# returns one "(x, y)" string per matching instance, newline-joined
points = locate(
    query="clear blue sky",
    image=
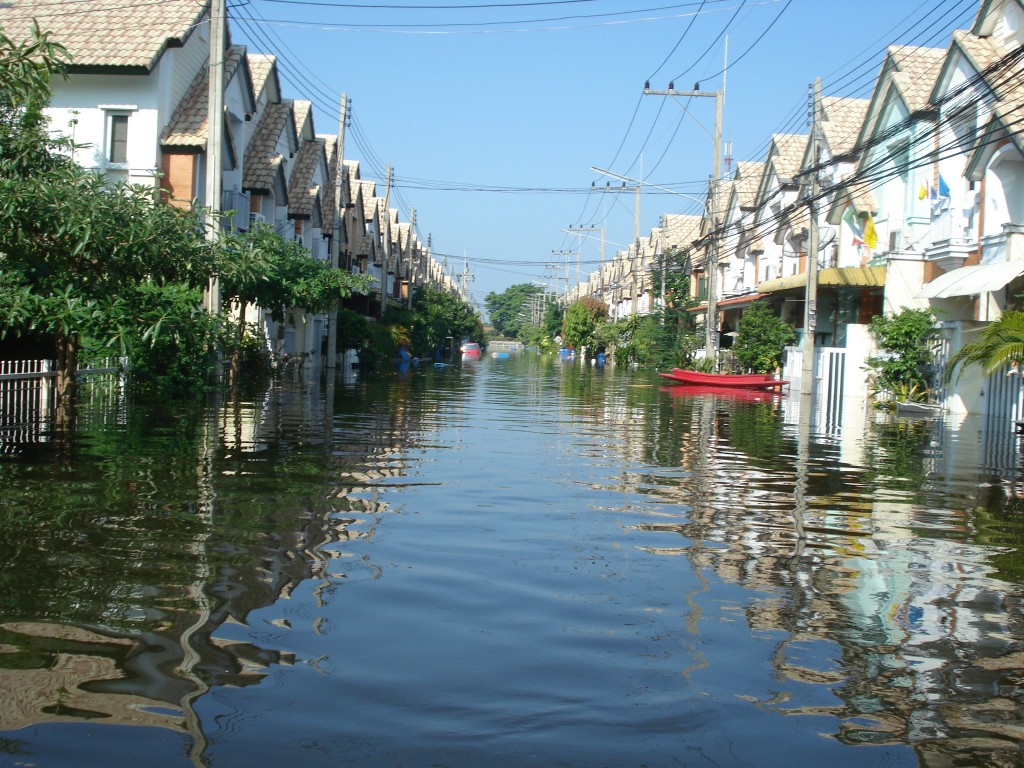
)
(492, 112)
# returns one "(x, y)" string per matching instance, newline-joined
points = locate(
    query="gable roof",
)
(748, 179)
(680, 229)
(188, 125)
(327, 203)
(908, 70)
(302, 112)
(303, 194)
(841, 121)
(261, 67)
(262, 160)
(102, 35)
(915, 73)
(785, 154)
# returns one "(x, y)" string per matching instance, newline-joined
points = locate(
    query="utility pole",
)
(600, 273)
(412, 230)
(215, 140)
(811, 295)
(566, 255)
(336, 230)
(386, 257)
(636, 232)
(711, 324)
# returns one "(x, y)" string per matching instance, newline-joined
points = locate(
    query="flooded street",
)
(513, 562)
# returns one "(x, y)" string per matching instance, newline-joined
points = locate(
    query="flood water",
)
(510, 563)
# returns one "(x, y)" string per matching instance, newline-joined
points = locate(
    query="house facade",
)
(135, 104)
(920, 203)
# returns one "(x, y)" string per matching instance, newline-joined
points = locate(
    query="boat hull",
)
(723, 380)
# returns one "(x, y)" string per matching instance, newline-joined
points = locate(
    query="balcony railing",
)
(236, 209)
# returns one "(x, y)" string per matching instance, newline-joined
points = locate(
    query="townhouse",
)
(920, 204)
(135, 104)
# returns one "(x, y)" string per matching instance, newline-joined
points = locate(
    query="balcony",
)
(235, 206)
(950, 244)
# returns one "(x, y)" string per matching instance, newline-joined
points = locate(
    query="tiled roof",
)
(261, 66)
(982, 51)
(302, 111)
(916, 71)
(748, 179)
(327, 207)
(681, 230)
(302, 192)
(786, 154)
(841, 122)
(106, 34)
(188, 124)
(370, 205)
(262, 159)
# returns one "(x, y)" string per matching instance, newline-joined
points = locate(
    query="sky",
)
(493, 113)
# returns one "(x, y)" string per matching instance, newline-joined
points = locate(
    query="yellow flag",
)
(870, 235)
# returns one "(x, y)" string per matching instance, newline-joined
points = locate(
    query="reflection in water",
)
(521, 558)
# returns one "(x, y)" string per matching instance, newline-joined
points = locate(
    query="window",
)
(118, 148)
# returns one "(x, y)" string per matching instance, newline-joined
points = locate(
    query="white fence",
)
(26, 401)
(28, 396)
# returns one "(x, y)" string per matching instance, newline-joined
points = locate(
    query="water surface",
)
(511, 562)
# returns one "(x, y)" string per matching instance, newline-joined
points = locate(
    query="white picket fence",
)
(27, 396)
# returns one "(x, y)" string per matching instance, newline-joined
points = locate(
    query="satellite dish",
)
(826, 238)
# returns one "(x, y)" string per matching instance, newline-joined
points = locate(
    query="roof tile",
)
(106, 34)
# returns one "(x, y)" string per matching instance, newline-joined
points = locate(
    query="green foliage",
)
(438, 315)
(703, 365)
(117, 268)
(552, 322)
(581, 320)
(260, 267)
(676, 263)
(762, 339)
(1000, 343)
(903, 370)
(509, 310)
(173, 354)
(353, 329)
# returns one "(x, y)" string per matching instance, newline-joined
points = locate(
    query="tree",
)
(509, 310)
(259, 267)
(440, 314)
(904, 370)
(117, 269)
(581, 320)
(676, 265)
(761, 339)
(1000, 343)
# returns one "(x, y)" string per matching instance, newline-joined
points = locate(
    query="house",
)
(974, 189)
(131, 70)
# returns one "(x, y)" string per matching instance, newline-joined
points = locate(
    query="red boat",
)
(727, 380)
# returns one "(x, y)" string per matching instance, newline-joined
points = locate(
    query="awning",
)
(733, 302)
(783, 283)
(854, 277)
(971, 281)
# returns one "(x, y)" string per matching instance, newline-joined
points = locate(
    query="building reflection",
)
(281, 482)
(878, 581)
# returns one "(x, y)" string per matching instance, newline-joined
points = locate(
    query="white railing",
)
(26, 401)
(28, 396)
(25, 369)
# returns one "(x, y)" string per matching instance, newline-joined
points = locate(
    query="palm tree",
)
(1000, 343)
